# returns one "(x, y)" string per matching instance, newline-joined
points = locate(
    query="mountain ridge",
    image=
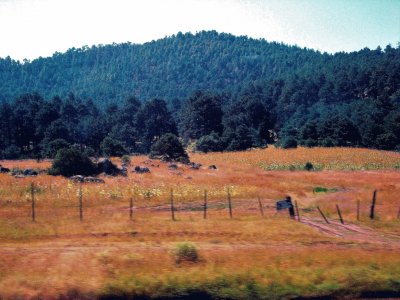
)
(111, 73)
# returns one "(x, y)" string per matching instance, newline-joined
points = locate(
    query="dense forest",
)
(217, 90)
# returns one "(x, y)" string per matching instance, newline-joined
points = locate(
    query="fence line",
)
(294, 209)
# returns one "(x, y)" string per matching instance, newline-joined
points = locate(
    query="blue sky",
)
(33, 28)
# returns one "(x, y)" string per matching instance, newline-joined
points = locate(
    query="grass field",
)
(246, 257)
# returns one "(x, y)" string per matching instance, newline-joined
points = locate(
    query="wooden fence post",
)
(261, 207)
(358, 210)
(297, 211)
(33, 201)
(372, 213)
(205, 205)
(322, 214)
(80, 203)
(172, 205)
(340, 214)
(291, 208)
(230, 204)
(131, 208)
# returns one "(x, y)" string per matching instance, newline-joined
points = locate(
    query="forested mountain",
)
(226, 92)
(169, 68)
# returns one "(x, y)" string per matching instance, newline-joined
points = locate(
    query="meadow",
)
(249, 256)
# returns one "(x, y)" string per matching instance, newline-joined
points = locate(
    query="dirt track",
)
(353, 232)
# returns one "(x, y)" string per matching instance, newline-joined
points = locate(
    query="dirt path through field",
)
(353, 232)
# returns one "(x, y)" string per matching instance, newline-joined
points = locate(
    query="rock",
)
(94, 180)
(77, 178)
(172, 167)
(4, 170)
(189, 177)
(124, 171)
(19, 176)
(30, 172)
(195, 166)
(212, 167)
(141, 170)
(16, 171)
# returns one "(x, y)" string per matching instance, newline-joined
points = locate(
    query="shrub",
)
(50, 150)
(112, 147)
(106, 166)
(70, 162)
(170, 146)
(186, 252)
(211, 142)
(320, 189)
(241, 139)
(310, 143)
(126, 160)
(308, 166)
(386, 141)
(328, 142)
(11, 152)
(89, 151)
(288, 143)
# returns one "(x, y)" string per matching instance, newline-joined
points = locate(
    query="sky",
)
(33, 28)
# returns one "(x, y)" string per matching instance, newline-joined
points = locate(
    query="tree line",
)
(34, 127)
(215, 91)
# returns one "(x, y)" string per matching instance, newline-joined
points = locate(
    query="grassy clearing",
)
(248, 257)
(339, 159)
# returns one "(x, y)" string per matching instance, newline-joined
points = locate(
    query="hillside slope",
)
(169, 68)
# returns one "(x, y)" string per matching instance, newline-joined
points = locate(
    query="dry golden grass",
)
(322, 158)
(246, 257)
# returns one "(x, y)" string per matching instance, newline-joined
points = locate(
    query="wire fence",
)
(76, 205)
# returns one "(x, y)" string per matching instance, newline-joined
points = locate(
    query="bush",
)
(112, 147)
(126, 160)
(69, 162)
(308, 166)
(310, 143)
(170, 146)
(106, 166)
(320, 189)
(241, 139)
(186, 252)
(288, 143)
(11, 152)
(386, 141)
(50, 150)
(211, 142)
(328, 142)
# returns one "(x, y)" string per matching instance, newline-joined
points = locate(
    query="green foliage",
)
(50, 149)
(11, 152)
(126, 160)
(186, 252)
(170, 146)
(308, 166)
(320, 189)
(68, 162)
(251, 94)
(240, 139)
(210, 143)
(111, 147)
(288, 143)
(201, 115)
(154, 120)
